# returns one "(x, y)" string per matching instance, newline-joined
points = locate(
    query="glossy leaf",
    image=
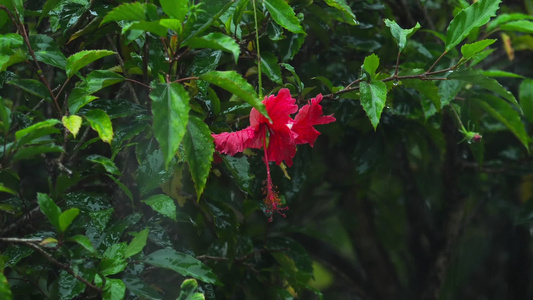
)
(49, 209)
(32, 151)
(36, 130)
(148, 26)
(371, 64)
(519, 26)
(5, 117)
(33, 87)
(69, 286)
(373, 97)
(170, 107)
(105, 162)
(135, 11)
(72, 123)
(189, 289)
(114, 289)
(234, 83)
(101, 123)
(163, 204)
(176, 9)
(181, 263)
(99, 79)
(526, 98)
(66, 218)
(400, 35)
(83, 241)
(79, 60)
(137, 243)
(470, 50)
(341, 5)
(6, 189)
(269, 65)
(140, 288)
(283, 15)
(474, 16)
(10, 40)
(217, 41)
(46, 50)
(113, 261)
(504, 18)
(500, 73)
(506, 114)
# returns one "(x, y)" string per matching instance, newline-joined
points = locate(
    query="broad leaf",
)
(506, 114)
(500, 73)
(114, 289)
(140, 288)
(504, 18)
(5, 117)
(46, 50)
(5, 291)
(148, 26)
(33, 87)
(519, 26)
(526, 98)
(79, 60)
(36, 130)
(199, 150)
(189, 289)
(429, 95)
(373, 97)
(269, 65)
(66, 218)
(135, 11)
(49, 209)
(163, 204)
(283, 14)
(181, 263)
(176, 9)
(474, 16)
(233, 82)
(341, 5)
(400, 35)
(32, 151)
(470, 50)
(78, 98)
(105, 162)
(475, 77)
(137, 243)
(217, 41)
(6, 189)
(83, 241)
(170, 107)
(72, 123)
(101, 123)
(99, 79)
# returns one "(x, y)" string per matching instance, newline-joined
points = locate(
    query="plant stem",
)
(258, 52)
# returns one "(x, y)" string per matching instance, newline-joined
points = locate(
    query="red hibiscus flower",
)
(278, 138)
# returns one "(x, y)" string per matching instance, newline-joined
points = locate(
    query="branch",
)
(26, 217)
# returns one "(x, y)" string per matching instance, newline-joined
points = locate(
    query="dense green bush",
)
(136, 149)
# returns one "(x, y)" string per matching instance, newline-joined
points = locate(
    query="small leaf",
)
(101, 123)
(176, 9)
(347, 12)
(504, 112)
(282, 13)
(181, 263)
(217, 41)
(99, 79)
(470, 50)
(82, 241)
(504, 18)
(78, 98)
(269, 65)
(66, 218)
(470, 18)
(135, 11)
(199, 150)
(79, 60)
(33, 87)
(49, 209)
(163, 204)
(170, 107)
(72, 123)
(371, 64)
(234, 83)
(519, 26)
(189, 289)
(400, 35)
(105, 162)
(114, 289)
(6, 189)
(373, 97)
(500, 73)
(137, 243)
(526, 98)
(36, 130)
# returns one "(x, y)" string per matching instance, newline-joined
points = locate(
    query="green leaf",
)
(6, 189)
(113, 261)
(148, 26)
(429, 95)
(135, 11)
(33, 87)
(83, 241)
(373, 97)
(124, 188)
(5, 291)
(519, 26)
(66, 218)
(5, 117)
(36, 130)
(470, 50)
(199, 149)
(101, 123)
(371, 64)
(341, 5)
(504, 112)
(69, 287)
(114, 289)
(475, 77)
(470, 18)
(105, 162)
(181, 263)
(176, 9)
(46, 50)
(234, 83)
(325, 81)
(500, 73)
(163, 204)
(282, 13)
(99, 79)
(170, 107)
(140, 288)
(217, 41)
(400, 35)
(72, 123)
(504, 18)
(137, 243)
(269, 65)
(32, 151)
(79, 60)
(526, 98)
(49, 209)
(188, 290)
(10, 41)
(78, 98)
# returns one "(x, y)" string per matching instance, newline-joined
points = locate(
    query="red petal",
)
(309, 115)
(233, 142)
(282, 146)
(279, 109)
